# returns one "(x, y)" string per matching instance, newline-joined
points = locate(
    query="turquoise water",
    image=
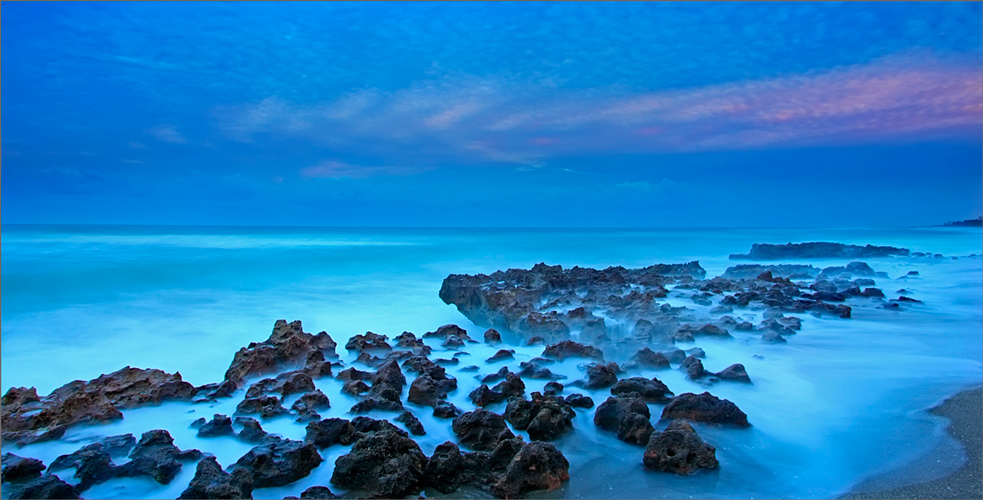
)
(839, 403)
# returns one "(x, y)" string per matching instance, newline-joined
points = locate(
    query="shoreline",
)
(965, 413)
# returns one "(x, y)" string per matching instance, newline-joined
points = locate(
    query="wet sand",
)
(965, 410)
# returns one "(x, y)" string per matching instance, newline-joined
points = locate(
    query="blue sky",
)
(492, 114)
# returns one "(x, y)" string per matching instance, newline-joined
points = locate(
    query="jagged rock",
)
(445, 409)
(266, 406)
(569, 349)
(412, 423)
(156, 456)
(367, 425)
(651, 390)
(317, 493)
(211, 481)
(17, 468)
(448, 468)
(220, 425)
(354, 374)
(501, 355)
(705, 408)
(384, 464)
(92, 465)
(679, 450)
(495, 377)
(368, 342)
(628, 415)
(198, 422)
(552, 388)
(288, 346)
(600, 376)
(817, 250)
(447, 331)
(536, 340)
(578, 400)
(355, 387)
(693, 367)
(251, 431)
(873, 293)
(648, 359)
(735, 372)
(537, 466)
(330, 431)
(46, 486)
(481, 429)
(278, 462)
(448, 362)
(675, 355)
(371, 404)
(118, 446)
(492, 336)
(308, 404)
(545, 417)
(483, 396)
(426, 390)
(532, 370)
(388, 382)
(772, 337)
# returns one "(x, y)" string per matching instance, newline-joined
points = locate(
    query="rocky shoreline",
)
(611, 324)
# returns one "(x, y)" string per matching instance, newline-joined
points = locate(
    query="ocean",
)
(841, 403)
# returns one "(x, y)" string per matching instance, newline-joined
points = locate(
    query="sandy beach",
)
(965, 410)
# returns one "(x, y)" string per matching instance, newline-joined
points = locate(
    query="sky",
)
(604, 114)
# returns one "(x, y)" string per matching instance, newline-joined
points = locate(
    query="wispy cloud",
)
(334, 169)
(510, 121)
(167, 133)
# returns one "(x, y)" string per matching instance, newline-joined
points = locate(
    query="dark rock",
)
(46, 486)
(448, 468)
(354, 374)
(873, 293)
(696, 352)
(501, 355)
(384, 464)
(198, 422)
(907, 299)
(628, 415)
(679, 450)
(553, 388)
(772, 337)
(220, 425)
(469, 368)
(211, 481)
(651, 390)
(511, 386)
(448, 331)
(288, 346)
(412, 423)
(445, 409)
(790, 271)
(495, 377)
(570, 349)
(91, 463)
(817, 250)
(156, 456)
(251, 431)
(366, 425)
(266, 406)
(675, 355)
(278, 462)
(705, 408)
(481, 429)
(448, 362)
(17, 468)
(329, 432)
(426, 390)
(318, 493)
(735, 372)
(531, 370)
(545, 417)
(537, 466)
(578, 400)
(536, 340)
(600, 376)
(355, 387)
(492, 336)
(368, 342)
(371, 404)
(483, 396)
(308, 404)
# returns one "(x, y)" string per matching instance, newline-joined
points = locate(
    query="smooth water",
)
(840, 403)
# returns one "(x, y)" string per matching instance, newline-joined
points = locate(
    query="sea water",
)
(842, 402)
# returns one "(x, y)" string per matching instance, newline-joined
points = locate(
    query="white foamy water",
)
(840, 403)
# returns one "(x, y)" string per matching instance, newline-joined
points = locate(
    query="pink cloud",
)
(333, 169)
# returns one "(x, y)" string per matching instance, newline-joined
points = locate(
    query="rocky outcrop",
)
(211, 481)
(369, 342)
(788, 271)
(330, 431)
(288, 347)
(537, 466)
(679, 450)
(19, 469)
(412, 423)
(308, 405)
(705, 408)
(646, 358)
(481, 429)
(544, 417)
(600, 375)
(219, 425)
(570, 349)
(651, 390)
(735, 372)
(628, 416)
(383, 464)
(277, 462)
(818, 250)
(510, 470)
(46, 486)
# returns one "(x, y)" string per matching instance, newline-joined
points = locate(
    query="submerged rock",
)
(679, 450)
(368, 342)
(705, 408)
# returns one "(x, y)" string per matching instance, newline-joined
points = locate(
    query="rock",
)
(873, 293)
(578, 400)
(266, 406)
(495, 377)
(118, 446)
(366, 425)
(308, 405)
(511, 386)
(696, 352)
(278, 462)
(570, 349)
(317, 493)
(371, 404)
(693, 367)
(445, 409)
(679, 450)
(481, 429)
(469, 368)
(368, 342)
(907, 299)
(452, 343)
(818, 250)
(545, 418)
(483, 396)
(251, 431)
(537, 466)
(501, 355)
(492, 336)
(448, 331)
(389, 375)
(91, 463)
(721, 309)
(426, 390)
(448, 468)
(772, 337)
(16, 469)
(46, 486)
(675, 355)
(156, 456)
(355, 387)
(384, 464)
(553, 388)
(735, 372)
(705, 408)
(354, 374)
(750, 271)
(211, 481)
(288, 346)
(531, 370)
(220, 425)
(628, 415)
(329, 432)
(448, 362)
(412, 423)
(26, 418)
(709, 330)
(198, 422)
(600, 376)
(651, 390)
(536, 340)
